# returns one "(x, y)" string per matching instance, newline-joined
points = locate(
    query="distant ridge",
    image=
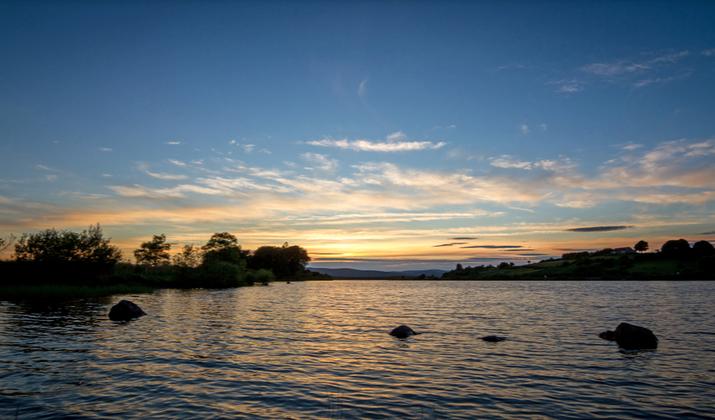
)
(352, 273)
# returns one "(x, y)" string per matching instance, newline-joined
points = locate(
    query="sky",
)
(382, 135)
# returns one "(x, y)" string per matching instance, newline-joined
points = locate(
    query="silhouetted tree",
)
(220, 240)
(703, 249)
(154, 252)
(64, 246)
(641, 246)
(5, 243)
(189, 257)
(675, 248)
(284, 261)
(224, 247)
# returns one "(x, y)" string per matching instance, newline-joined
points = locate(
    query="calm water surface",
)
(321, 349)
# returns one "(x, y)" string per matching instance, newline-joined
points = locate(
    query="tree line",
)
(89, 256)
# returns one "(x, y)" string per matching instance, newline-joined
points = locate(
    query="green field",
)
(616, 267)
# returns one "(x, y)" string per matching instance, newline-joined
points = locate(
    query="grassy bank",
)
(26, 280)
(615, 267)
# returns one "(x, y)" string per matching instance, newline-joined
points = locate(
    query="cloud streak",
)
(395, 142)
(598, 228)
(494, 246)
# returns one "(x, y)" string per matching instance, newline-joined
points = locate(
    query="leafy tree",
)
(189, 257)
(64, 246)
(675, 248)
(459, 267)
(224, 247)
(154, 252)
(641, 246)
(703, 249)
(284, 261)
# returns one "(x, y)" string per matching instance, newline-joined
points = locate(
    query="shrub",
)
(260, 276)
(219, 274)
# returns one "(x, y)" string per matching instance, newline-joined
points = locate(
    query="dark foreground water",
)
(321, 349)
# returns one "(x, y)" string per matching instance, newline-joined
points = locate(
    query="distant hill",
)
(351, 273)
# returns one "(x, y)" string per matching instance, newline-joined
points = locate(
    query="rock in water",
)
(493, 338)
(125, 310)
(403, 331)
(633, 337)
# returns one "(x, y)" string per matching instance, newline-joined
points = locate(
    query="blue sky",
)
(368, 132)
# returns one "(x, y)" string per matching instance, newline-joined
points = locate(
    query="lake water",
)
(321, 350)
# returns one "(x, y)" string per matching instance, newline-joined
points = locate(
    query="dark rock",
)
(403, 331)
(633, 337)
(125, 310)
(608, 335)
(493, 338)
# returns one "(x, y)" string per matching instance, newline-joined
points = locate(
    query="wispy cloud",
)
(464, 238)
(362, 88)
(165, 176)
(42, 167)
(509, 162)
(613, 68)
(644, 70)
(658, 80)
(622, 67)
(177, 162)
(173, 142)
(517, 66)
(449, 244)
(524, 128)
(631, 147)
(568, 86)
(395, 142)
(179, 191)
(106, 149)
(320, 162)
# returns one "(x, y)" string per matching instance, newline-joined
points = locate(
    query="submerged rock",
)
(493, 338)
(403, 331)
(125, 310)
(631, 337)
